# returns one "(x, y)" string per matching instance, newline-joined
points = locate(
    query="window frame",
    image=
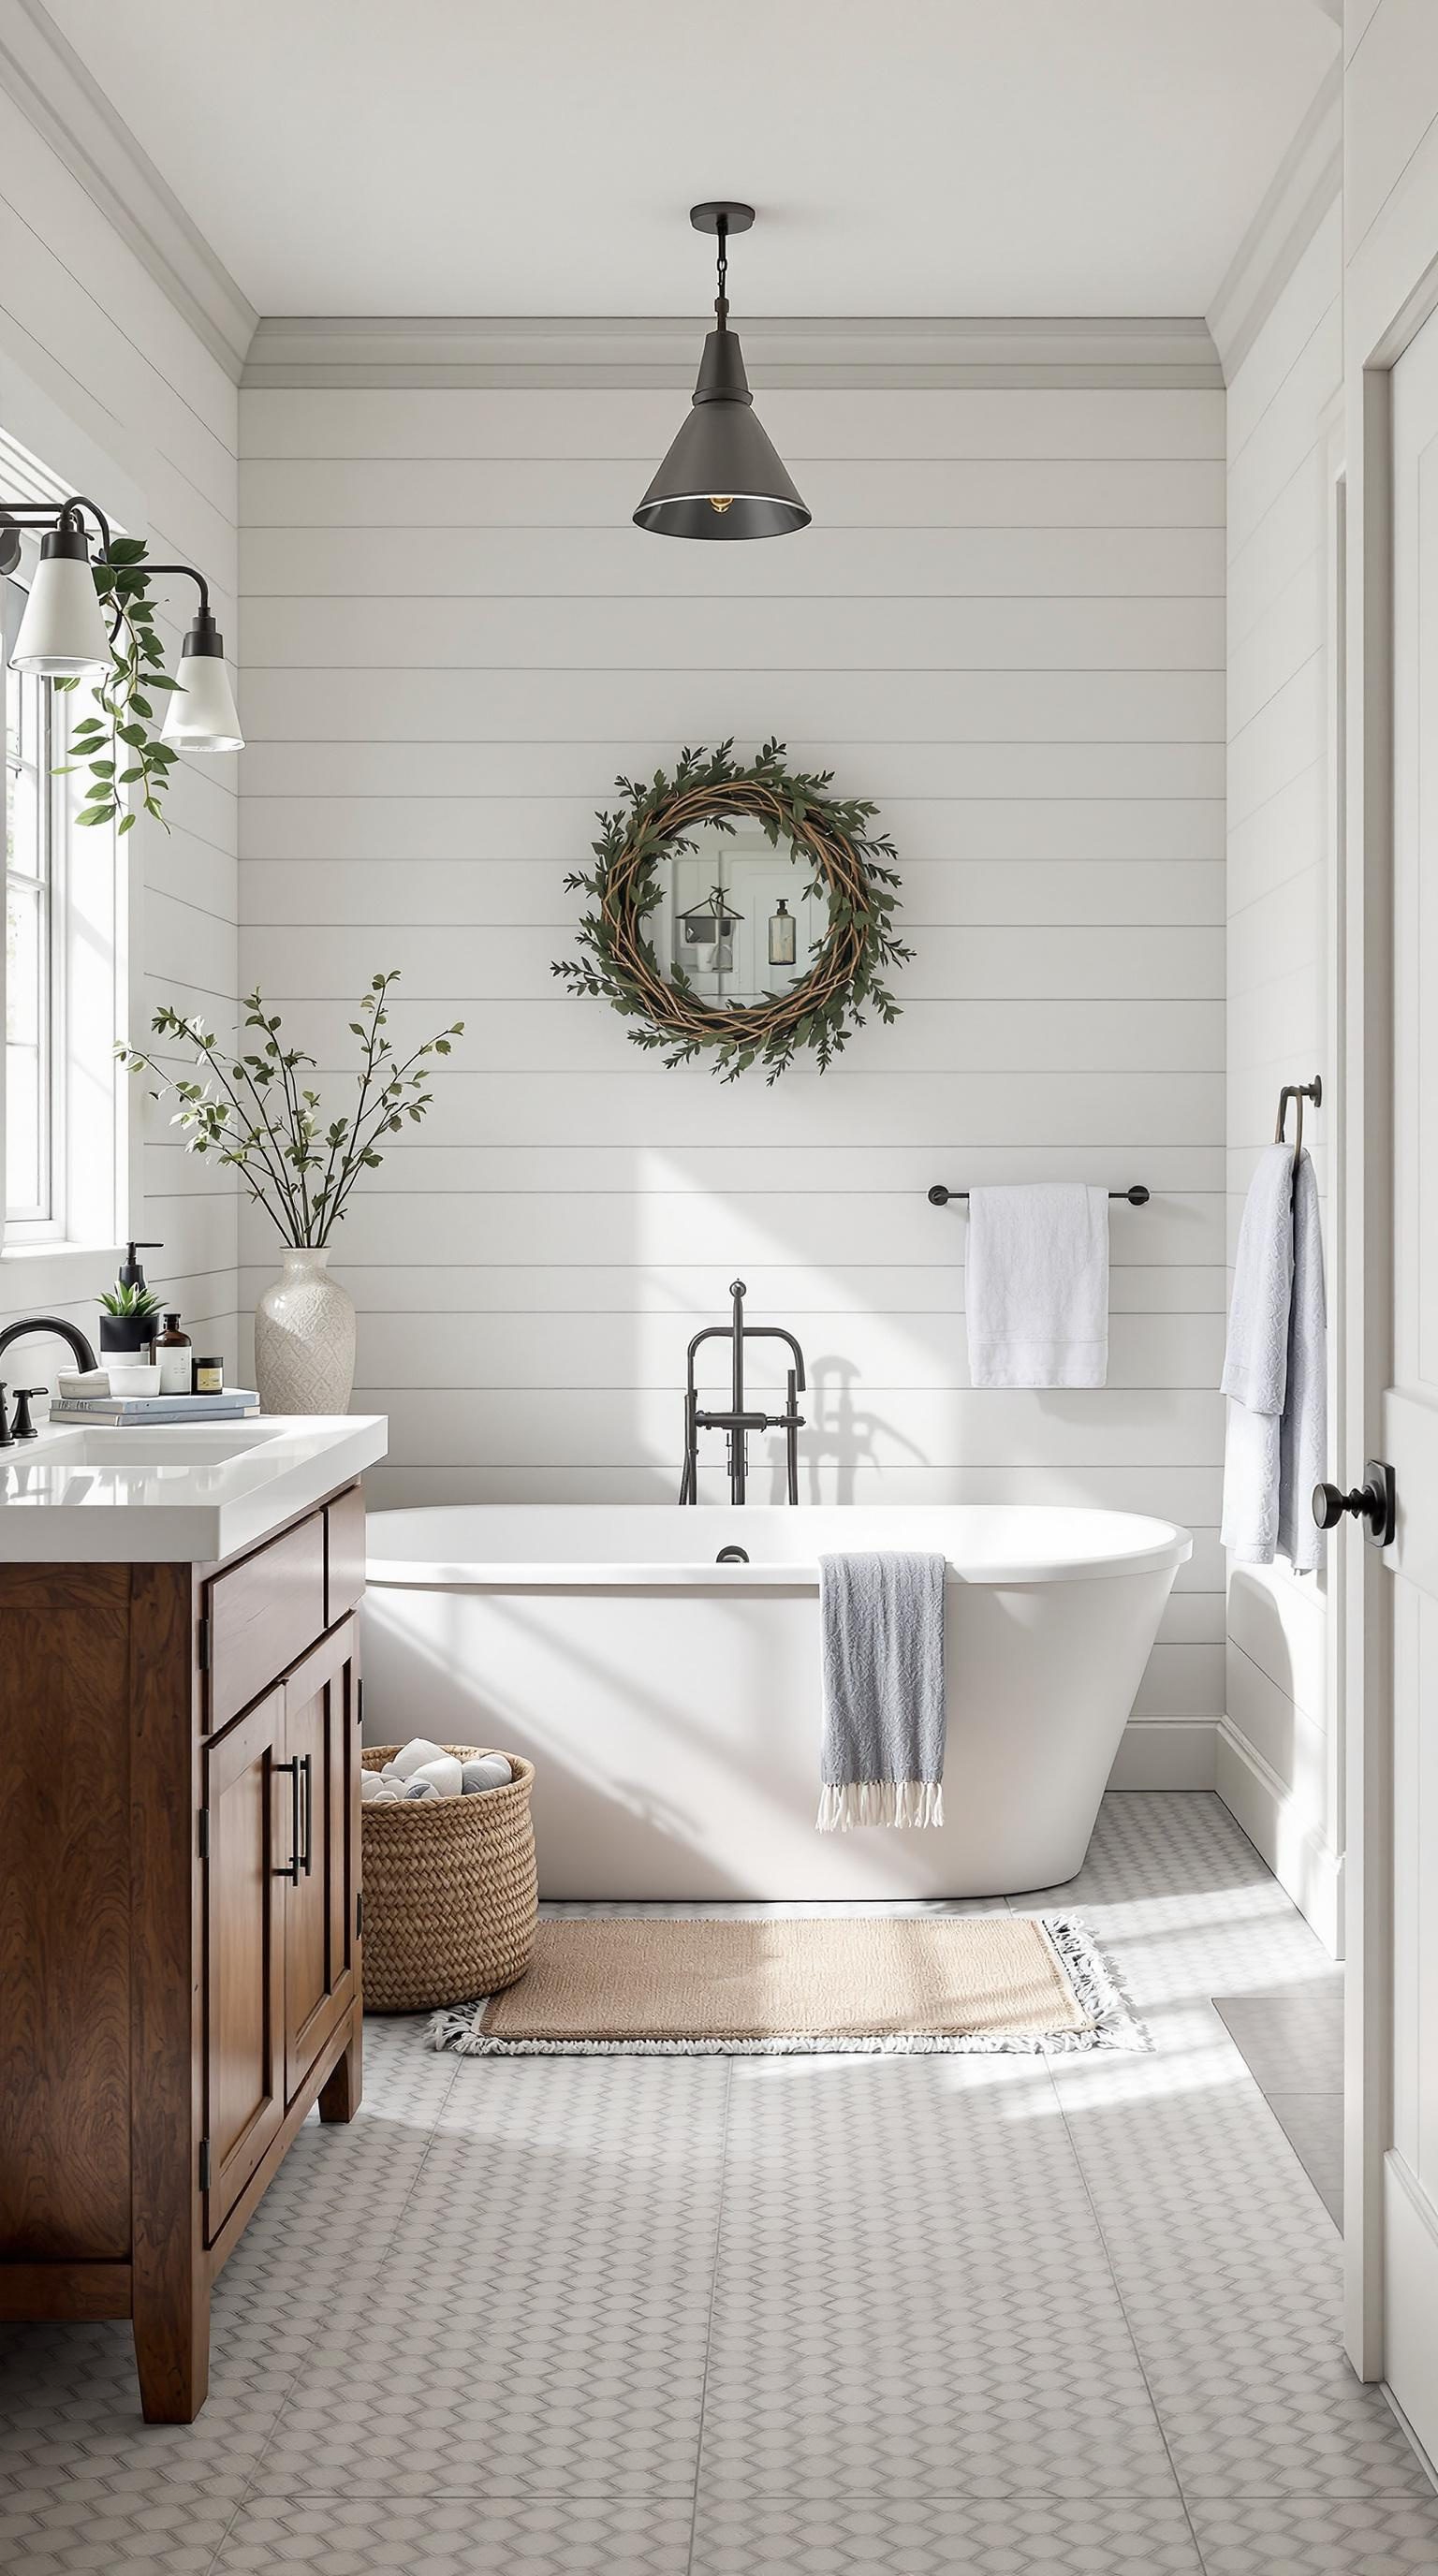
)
(44, 1223)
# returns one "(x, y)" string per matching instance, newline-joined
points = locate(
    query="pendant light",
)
(722, 477)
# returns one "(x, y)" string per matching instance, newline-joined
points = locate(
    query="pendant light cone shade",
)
(201, 714)
(62, 633)
(722, 477)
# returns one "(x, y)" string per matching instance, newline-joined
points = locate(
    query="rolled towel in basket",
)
(414, 1756)
(487, 1771)
(441, 1778)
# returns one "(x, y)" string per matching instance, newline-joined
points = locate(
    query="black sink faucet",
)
(738, 1421)
(71, 1333)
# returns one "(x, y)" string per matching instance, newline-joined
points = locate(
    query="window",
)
(66, 1121)
(35, 811)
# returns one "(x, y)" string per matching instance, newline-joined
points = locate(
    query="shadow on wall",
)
(842, 1433)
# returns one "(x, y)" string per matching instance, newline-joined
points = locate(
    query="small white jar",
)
(130, 1377)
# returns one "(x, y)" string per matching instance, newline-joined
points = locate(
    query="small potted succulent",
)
(130, 1311)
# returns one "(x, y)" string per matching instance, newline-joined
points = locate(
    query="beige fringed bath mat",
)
(871, 1984)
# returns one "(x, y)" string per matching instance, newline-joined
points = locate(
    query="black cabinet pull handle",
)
(308, 1769)
(290, 1869)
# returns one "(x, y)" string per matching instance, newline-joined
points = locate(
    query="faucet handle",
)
(22, 1428)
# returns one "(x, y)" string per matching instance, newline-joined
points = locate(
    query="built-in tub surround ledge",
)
(187, 1493)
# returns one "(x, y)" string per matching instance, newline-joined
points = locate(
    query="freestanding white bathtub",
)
(671, 1704)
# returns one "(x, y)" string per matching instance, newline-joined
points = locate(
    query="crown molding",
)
(664, 353)
(1309, 179)
(53, 88)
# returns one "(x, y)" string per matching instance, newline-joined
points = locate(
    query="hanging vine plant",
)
(121, 746)
(849, 873)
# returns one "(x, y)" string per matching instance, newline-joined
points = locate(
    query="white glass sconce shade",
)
(62, 633)
(201, 714)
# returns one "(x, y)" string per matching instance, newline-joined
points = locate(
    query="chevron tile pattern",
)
(836, 2317)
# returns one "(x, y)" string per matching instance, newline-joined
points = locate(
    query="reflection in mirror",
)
(736, 919)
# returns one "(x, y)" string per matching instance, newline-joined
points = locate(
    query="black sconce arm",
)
(187, 573)
(69, 513)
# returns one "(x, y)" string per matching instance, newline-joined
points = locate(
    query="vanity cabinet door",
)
(322, 1738)
(250, 1819)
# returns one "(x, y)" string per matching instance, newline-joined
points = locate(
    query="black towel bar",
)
(1136, 1197)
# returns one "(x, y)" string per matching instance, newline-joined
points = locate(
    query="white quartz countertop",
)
(183, 1493)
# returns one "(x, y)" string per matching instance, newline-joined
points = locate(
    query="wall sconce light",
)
(63, 635)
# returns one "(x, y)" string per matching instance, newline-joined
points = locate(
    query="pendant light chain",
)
(721, 300)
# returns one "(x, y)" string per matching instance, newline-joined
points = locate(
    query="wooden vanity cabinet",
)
(180, 1919)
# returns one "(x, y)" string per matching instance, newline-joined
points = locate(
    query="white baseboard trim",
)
(1295, 1847)
(1166, 1753)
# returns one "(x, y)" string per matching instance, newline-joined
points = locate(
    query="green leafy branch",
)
(120, 746)
(254, 1112)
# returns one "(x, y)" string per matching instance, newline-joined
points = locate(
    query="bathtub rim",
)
(1166, 1546)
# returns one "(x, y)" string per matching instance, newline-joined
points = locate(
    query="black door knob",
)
(1373, 1503)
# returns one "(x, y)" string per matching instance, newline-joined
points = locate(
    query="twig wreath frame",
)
(850, 871)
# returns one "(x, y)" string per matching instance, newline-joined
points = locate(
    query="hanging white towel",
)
(1255, 1359)
(1303, 1432)
(1036, 1285)
(1275, 1369)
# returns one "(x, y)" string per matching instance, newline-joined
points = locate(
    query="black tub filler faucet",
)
(738, 1421)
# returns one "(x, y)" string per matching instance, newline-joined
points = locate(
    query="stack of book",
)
(236, 1404)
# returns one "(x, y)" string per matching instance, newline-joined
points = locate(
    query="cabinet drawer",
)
(344, 1554)
(263, 1615)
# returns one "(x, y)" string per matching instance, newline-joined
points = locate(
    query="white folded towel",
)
(1036, 1285)
(420, 1788)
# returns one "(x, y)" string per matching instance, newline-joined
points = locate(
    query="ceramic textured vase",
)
(305, 1338)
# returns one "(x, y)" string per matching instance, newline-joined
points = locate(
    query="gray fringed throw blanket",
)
(881, 1621)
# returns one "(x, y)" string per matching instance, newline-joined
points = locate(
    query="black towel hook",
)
(1298, 1091)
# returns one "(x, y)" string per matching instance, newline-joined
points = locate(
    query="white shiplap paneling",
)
(1006, 626)
(1280, 696)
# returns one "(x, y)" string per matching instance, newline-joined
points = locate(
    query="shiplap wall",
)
(88, 327)
(1278, 1762)
(1007, 626)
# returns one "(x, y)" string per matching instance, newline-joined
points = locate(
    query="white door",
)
(1410, 1411)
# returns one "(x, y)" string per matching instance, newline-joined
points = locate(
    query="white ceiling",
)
(907, 157)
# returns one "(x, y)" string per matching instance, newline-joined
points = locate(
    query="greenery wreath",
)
(819, 1012)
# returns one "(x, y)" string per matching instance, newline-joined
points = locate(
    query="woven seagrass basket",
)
(449, 1891)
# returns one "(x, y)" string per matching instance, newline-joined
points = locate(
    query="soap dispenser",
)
(131, 1312)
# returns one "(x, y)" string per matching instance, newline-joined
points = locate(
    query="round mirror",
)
(747, 912)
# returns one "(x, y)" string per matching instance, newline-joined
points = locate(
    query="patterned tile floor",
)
(831, 2316)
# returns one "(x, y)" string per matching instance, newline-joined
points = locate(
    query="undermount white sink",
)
(177, 1446)
(179, 1492)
